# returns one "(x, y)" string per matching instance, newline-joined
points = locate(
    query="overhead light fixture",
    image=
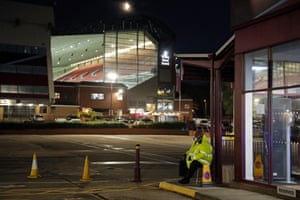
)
(259, 68)
(259, 65)
(112, 76)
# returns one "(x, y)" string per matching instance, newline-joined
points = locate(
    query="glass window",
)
(286, 64)
(39, 89)
(26, 69)
(256, 70)
(281, 135)
(164, 91)
(256, 136)
(8, 68)
(164, 105)
(131, 55)
(25, 89)
(57, 95)
(43, 109)
(97, 96)
(277, 129)
(120, 96)
(9, 89)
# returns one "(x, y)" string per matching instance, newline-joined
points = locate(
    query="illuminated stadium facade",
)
(139, 52)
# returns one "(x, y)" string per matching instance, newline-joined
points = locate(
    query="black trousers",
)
(193, 168)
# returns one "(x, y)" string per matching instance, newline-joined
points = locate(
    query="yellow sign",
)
(258, 167)
(206, 175)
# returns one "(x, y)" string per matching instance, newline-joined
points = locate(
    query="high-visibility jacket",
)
(200, 151)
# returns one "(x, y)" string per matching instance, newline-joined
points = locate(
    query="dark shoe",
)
(184, 181)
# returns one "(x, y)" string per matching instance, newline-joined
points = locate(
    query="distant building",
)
(26, 85)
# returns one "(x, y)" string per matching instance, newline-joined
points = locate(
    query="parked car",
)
(124, 120)
(146, 120)
(143, 121)
(73, 118)
(202, 122)
(37, 118)
(205, 122)
(60, 120)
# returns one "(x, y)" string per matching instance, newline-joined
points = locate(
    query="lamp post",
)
(127, 6)
(112, 77)
(205, 106)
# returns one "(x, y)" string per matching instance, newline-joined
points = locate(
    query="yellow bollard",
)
(85, 175)
(34, 168)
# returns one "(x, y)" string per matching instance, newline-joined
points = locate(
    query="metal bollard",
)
(137, 170)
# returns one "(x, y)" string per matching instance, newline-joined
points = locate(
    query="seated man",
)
(199, 154)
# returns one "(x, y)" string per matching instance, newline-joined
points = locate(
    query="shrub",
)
(162, 125)
(104, 124)
(54, 125)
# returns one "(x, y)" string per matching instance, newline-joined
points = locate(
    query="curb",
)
(185, 191)
(178, 189)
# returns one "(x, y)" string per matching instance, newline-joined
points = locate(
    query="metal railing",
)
(258, 148)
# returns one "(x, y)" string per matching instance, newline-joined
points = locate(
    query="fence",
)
(258, 148)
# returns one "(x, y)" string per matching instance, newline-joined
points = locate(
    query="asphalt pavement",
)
(129, 191)
(58, 179)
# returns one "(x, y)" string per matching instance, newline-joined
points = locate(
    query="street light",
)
(205, 106)
(112, 77)
(126, 6)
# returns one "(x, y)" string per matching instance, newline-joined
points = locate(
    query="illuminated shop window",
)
(120, 96)
(9, 89)
(97, 96)
(164, 91)
(164, 105)
(57, 95)
(186, 106)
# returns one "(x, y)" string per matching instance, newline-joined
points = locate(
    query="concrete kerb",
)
(185, 191)
(178, 189)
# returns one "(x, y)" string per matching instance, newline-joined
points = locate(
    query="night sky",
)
(200, 26)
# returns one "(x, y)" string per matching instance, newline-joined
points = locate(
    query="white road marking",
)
(133, 162)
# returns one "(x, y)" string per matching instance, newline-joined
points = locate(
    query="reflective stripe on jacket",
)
(202, 152)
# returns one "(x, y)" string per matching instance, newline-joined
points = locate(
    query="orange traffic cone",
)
(206, 175)
(34, 168)
(85, 175)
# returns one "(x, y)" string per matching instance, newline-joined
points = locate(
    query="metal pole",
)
(288, 122)
(111, 101)
(137, 170)
(205, 107)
